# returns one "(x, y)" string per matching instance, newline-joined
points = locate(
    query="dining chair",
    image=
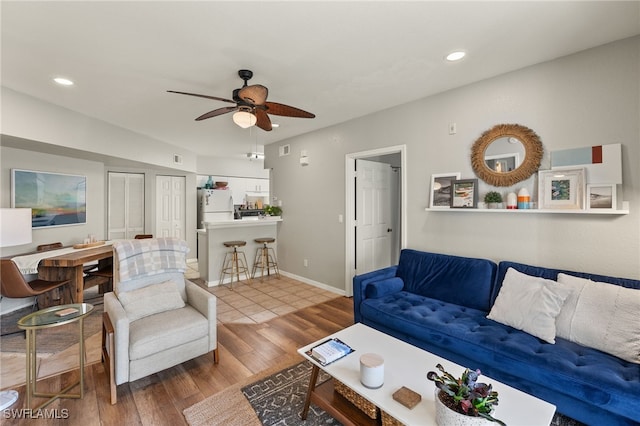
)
(13, 284)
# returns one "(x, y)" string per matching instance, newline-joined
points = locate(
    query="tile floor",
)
(259, 300)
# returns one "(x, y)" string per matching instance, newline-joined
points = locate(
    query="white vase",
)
(445, 416)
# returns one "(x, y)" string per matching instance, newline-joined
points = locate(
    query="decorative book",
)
(329, 351)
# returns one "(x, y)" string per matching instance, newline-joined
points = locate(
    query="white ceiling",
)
(339, 60)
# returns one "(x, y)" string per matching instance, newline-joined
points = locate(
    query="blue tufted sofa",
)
(440, 303)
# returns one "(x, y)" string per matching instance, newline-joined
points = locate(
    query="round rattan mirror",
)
(506, 154)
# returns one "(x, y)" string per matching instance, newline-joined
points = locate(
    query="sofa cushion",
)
(152, 299)
(384, 287)
(530, 304)
(156, 333)
(464, 281)
(605, 317)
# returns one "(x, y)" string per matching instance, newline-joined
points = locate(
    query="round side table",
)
(47, 318)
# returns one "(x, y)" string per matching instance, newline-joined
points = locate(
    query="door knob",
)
(389, 229)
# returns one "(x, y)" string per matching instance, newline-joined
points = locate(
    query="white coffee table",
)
(407, 365)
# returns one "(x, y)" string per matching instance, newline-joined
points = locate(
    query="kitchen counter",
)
(211, 251)
(246, 221)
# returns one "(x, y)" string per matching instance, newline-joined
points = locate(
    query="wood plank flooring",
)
(245, 349)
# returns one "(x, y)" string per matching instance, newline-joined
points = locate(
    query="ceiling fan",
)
(251, 106)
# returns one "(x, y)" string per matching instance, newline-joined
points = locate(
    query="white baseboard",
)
(318, 284)
(313, 283)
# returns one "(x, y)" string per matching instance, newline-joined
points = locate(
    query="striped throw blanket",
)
(153, 256)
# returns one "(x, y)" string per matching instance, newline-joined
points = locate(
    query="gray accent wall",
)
(585, 99)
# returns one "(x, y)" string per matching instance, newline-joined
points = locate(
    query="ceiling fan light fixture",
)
(244, 119)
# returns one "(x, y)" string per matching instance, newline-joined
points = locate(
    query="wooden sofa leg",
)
(216, 356)
(108, 348)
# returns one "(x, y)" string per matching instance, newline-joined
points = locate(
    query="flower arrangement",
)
(465, 395)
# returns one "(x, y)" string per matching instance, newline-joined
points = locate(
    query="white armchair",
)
(159, 319)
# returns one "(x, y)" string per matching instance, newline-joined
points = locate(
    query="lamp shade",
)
(244, 119)
(15, 227)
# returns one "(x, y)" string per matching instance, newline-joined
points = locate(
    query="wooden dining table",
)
(70, 266)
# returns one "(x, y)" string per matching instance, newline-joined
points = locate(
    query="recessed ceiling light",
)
(63, 81)
(456, 56)
(274, 125)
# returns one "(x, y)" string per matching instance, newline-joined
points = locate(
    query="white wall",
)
(232, 167)
(585, 99)
(19, 159)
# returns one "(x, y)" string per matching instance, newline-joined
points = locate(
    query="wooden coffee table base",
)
(333, 403)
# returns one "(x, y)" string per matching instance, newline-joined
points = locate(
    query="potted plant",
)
(464, 399)
(272, 210)
(493, 199)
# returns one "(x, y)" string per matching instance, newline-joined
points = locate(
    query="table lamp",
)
(15, 230)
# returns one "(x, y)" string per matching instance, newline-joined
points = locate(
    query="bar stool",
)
(265, 258)
(235, 262)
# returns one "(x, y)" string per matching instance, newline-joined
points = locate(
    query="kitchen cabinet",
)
(258, 187)
(241, 187)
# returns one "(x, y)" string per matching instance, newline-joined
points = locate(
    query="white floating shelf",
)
(532, 211)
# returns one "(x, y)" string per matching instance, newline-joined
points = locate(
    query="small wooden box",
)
(407, 397)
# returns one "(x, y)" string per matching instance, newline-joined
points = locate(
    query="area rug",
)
(275, 399)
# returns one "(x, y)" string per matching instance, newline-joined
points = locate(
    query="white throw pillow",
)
(566, 315)
(529, 304)
(152, 299)
(606, 317)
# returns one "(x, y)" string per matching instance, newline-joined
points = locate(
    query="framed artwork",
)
(561, 189)
(440, 197)
(55, 199)
(464, 194)
(601, 196)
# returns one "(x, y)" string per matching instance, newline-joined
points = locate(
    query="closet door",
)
(170, 206)
(125, 203)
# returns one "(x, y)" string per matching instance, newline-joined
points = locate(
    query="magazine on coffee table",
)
(329, 351)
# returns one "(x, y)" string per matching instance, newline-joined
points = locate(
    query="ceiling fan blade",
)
(287, 111)
(264, 122)
(216, 112)
(215, 98)
(254, 95)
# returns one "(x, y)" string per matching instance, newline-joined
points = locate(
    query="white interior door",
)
(125, 216)
(170, 206)
(373, 216)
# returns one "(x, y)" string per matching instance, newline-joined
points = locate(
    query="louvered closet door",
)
(125, 201)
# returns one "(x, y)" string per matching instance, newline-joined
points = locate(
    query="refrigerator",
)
(214, 205)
